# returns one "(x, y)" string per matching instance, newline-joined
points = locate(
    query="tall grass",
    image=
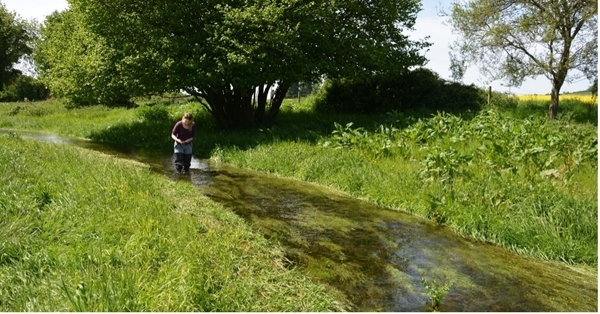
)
(82, 231)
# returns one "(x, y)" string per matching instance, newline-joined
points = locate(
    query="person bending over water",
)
(183, 134)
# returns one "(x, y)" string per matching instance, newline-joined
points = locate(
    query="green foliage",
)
(443, 165)
(15, 42)
(492, 177)
(504, 101)
(418, 90)
(22, 88)
(346, 136)
(224, 52)
(302, 89)
(572, 109)
(155, 113)
(78, 65)
(503, 176)
(435, 291)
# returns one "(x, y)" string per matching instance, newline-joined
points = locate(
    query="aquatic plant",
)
(435, 291)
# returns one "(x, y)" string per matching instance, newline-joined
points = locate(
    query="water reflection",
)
(375, 257)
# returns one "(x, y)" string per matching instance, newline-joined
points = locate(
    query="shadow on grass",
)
(153, 130)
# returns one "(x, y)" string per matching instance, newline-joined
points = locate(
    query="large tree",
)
(16, 36)
(516, 39)
(233, 55)
(77, 64)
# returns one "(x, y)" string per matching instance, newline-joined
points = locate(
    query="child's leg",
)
(179, 161)
(187, 162)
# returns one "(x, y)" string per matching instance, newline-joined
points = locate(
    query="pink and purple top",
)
(182, 133)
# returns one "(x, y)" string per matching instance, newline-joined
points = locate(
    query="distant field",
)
(580, 97)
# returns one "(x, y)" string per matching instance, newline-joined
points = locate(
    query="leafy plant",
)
(346, 136)
(444, 164)
(435, 291)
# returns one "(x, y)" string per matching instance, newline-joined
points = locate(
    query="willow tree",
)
(516, 39)
(239, 57)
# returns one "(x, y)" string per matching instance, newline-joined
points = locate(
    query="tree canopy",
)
(232, 55)
(516, 39)
(16, 37)
(77, 64)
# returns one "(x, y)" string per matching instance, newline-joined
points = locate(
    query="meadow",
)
(505, 175)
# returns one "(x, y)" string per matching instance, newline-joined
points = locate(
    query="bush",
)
(418, 90)
(81, 98)
(158, 113)
(23, 88)
(503, 101)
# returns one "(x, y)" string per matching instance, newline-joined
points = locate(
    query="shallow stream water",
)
(373, 256)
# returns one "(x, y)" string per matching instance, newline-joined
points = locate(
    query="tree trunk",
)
(276, 101)
(261, 105)
(234, 108)
(553, 108)
(557, 83)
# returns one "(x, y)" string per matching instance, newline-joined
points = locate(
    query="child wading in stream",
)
(183, 133)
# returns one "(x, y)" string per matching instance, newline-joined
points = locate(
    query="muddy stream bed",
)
(373, 256)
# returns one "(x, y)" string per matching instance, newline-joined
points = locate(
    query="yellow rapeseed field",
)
(580, 97)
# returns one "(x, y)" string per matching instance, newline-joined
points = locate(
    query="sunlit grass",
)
(81, 231)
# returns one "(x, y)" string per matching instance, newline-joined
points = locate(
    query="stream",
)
(373, 256)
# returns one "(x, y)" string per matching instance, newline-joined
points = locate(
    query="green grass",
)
(82, 231)
(506, 176)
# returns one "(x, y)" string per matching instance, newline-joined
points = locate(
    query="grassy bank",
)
(82, 231)
(506, 175)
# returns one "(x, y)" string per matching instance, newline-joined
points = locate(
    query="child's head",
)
(187, 119)
(187, 116)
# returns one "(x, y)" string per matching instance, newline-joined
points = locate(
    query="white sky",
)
(428, 24)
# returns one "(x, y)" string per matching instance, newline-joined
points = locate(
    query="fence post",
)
(489, 95)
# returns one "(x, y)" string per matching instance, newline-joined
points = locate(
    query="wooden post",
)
(489, 95)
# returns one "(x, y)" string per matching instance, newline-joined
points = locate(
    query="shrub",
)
(157, 113)
(24, 87)
(503, 101)
(418, 90)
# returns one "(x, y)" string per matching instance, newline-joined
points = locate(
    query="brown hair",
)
(188, 116)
